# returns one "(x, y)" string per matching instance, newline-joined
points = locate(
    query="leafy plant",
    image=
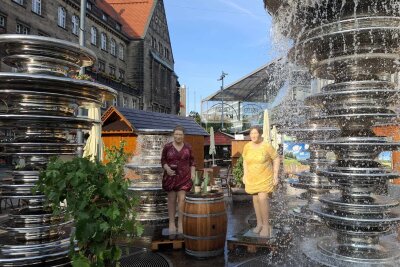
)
(238, 172)
(98, 200)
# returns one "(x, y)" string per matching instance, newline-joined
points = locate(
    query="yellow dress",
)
(259, 175)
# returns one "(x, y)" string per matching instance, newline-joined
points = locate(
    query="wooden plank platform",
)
(253, 243)
(175, 243)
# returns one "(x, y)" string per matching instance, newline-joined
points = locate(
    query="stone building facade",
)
(134, 54)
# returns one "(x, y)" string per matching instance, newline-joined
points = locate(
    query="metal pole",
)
(223, 74)
(79, 133)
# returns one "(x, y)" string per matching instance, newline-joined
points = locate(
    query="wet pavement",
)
(240, 214)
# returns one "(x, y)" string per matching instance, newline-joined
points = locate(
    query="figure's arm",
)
(164, 163)
(192, 164)
(275, 165)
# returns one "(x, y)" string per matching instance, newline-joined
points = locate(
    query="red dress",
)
(183, 160)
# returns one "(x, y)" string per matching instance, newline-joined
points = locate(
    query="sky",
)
(211, 36)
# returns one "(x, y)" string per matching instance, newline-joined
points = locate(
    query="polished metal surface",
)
(38, 105)
(146, 164)
(356, 45)
(313, 180)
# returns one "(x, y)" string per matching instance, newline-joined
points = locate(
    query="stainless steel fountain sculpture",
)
(147, 165)
(38, 104)
(356, 44)
(316, 184)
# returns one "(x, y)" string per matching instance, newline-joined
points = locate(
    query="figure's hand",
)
(244, 179)
(170, 171)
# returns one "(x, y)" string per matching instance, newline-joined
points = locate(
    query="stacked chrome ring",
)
(313, 181)
(147, 165)
(38, 106)
(357, 45)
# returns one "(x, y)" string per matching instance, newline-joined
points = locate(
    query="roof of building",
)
(134, 15)
(134, 120)
(220, 138)
(262, 85)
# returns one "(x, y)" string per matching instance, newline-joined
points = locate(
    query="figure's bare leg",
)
(264, 208)
(181, 204)
(172, 211)
(256, 204)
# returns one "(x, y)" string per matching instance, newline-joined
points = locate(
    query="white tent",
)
(266, 127)
(212, 150)
(94, 144)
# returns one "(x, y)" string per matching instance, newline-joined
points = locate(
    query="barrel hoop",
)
(204, 200)
(191, 215)
(204, 254)
(204, 237)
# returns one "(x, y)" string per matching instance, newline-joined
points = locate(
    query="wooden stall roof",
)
(133, 120)
(221, 139)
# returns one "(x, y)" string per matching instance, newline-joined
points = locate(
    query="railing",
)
(119, 86)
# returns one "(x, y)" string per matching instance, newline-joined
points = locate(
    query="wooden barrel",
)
(204, 224)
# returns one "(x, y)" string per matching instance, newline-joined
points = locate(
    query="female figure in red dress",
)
(179, 171)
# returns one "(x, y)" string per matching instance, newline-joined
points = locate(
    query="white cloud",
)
(241, 9)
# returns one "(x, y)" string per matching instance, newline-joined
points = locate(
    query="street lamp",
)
(221, 78)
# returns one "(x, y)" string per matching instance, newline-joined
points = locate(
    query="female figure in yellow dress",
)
(260, 168)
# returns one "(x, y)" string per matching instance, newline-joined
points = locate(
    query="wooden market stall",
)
(123, 124)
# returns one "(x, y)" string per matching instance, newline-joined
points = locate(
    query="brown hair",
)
(179, 128)
(257, 128)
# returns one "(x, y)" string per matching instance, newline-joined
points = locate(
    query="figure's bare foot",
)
(257, 229)
(180, 229)
(266, 231)
(172, 229)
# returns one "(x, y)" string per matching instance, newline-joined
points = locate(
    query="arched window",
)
(62, 15)
(121, 51)
(113, 47)
(103, 41)
(75, 24)
(37, 6)
(93, 35)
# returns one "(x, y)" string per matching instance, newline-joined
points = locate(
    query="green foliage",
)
(98, 200)
(238, 172)
(290, 155)
(196, 116)
(217, 126)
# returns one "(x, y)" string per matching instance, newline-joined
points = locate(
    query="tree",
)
(196, 116)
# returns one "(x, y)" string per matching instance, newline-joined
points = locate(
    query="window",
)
(102, 66)
(121, 52)
(75, 24)
(93, 36)
(104, 17)
(132, 103)
(115, 102)
(118, 26)
(19, 2)
(22, 29)
(165, 52)
(113, 47)
(154, 42)
(121, 75)
(62, 15)
(160, 48)
(125, 102)
(103, 41)
(37, 6)
(89, 5)
(2, 21)
(112, 70)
